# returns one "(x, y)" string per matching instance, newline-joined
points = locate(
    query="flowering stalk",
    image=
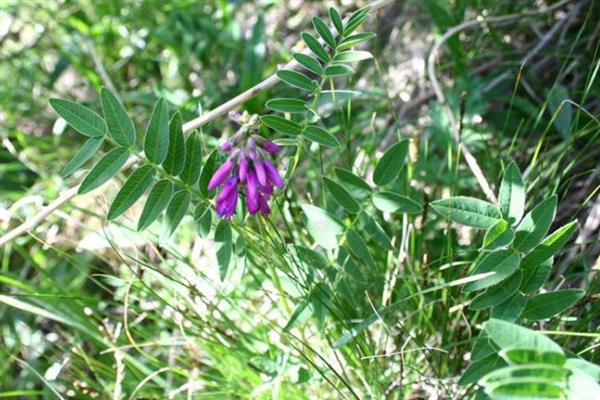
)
(247, 171)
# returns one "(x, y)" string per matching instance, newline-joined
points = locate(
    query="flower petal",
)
(220, 175)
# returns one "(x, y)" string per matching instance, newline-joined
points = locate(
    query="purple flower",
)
(261, 174)
(247, 171)
(252, 193)
(227, 200)
(220, 174)
(243, 168)
(264, 205)
(227, 146)
(270, 146)
(273, 174)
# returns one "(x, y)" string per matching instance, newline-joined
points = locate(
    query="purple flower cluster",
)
(246, 169)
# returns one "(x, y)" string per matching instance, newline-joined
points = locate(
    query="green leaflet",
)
(336, 20)
(357, 187)
(176, 210)
(468, 211)
(511, 199)
(323, 30)
(501, 263)
(317, 48)
(119, 123)
(105, 169)
(352, 56)
(175, 159)
(535, 225)
(135, 186)
(89, 148)
(321, 136)
(323, 226)
(297, 79)
(393, 202)
(193, 159)
(156, 144)
(547, 305)
(337, 70)
(285, 105)
(549, 247)
(81, 118)
(341, 196)
(391, 163)
(281, 124)
(157, 201)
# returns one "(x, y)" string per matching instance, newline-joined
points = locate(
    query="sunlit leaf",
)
(319, 135)
(87, 151)
(81, 118)
(156, 144)
(157, 201)
(393, 202)
(468, 211)
(391, 163)
(500, 263)
(511, 199)
(133, 188)
(105, 169)
(119, 123)
(323, 226)
(281, 124)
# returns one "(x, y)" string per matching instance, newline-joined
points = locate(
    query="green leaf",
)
(511, 199)
(81, 118)
(157, 201)
(563, 111)
(525, 382)
(287, 105)
(358, 247)
(478, 369)
(338, 70)
(392, 202)
(499, 235)
(535, 225)
(549, 247)
(592, 370)
(352, 56)
(529, 356)
(323, 30)
(281, 124)
(317, 48)
(468, 211)
(223, 235)
(356, 20)
(320, 136)
(297, 79)
(203, 219)
(309, 63)
(156, 144)
(193, 159)
(391, 163)
(536, 279)
(353, 40)
(336, 20)
(105, 169)
(120, 125)
(507, 335)
(323, 226)
(497, 294)
(312, 257)
(135, 186)
(209, 168)
(176, 210)
(89, 148)
(501, 262)
(175, 159)
(357, 187)
(511, 309)
(546, 305)
(376, 232)
(341, 196)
